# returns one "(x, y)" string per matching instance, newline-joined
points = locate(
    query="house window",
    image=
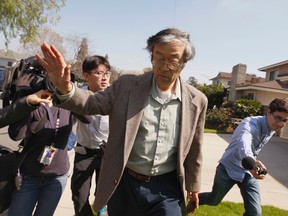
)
(273, 75)
(9, 64)
(251, 96)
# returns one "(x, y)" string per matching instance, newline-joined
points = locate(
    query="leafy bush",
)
(214, 93)
(244, 107)
(226, 115)
(218, 118)
(230, 115)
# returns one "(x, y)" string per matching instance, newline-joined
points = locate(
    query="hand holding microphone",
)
(249, 163)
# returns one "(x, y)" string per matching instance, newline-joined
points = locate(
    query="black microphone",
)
(249, 163)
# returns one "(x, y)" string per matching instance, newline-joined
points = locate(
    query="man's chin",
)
(163, 79)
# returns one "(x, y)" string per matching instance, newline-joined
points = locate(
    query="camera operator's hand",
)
(57, 69)
(255, 172)
(24, 81)
(41, 96)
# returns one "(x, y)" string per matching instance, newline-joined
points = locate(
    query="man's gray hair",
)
(168, 35)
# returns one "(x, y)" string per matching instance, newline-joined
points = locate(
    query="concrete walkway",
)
(274, 188)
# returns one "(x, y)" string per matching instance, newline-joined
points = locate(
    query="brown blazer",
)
(124, 103)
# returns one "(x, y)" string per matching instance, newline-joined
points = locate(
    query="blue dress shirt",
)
(247, 140)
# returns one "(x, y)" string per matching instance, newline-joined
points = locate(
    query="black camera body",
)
(12, 92)
(40, 81)
(25, 66)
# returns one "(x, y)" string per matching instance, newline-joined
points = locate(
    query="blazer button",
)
(115, 181)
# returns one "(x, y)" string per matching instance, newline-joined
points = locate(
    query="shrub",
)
(244, 107)
(214, 93)
(230, 115)
(218, 119)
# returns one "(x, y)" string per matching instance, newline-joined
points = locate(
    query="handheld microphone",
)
(249, 163)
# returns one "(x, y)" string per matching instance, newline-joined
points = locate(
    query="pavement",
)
(274, 188)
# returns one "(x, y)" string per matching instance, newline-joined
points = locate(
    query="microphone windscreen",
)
(248, 163)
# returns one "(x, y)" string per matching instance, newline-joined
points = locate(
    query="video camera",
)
(40, 80)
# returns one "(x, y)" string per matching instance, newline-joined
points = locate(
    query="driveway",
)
(274, 188)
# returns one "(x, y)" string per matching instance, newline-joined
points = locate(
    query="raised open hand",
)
(57, 69)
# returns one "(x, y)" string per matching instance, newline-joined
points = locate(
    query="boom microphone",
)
(249, 163)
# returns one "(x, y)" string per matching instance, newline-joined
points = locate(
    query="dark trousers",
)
(161, 196)
(84, 168)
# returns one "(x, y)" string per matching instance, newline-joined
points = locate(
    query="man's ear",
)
(268, 111)
(85, 75)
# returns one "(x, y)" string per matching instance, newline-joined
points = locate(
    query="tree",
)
(72, 42)
(114, 74)
(80, 57)
(147, 69)
(47, 35)
(192, 81)
(215, 94)
(24, 17)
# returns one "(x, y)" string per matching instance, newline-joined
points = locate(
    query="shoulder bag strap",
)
(27, 148)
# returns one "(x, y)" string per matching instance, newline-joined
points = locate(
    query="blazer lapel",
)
(188, 119)
(137, 99)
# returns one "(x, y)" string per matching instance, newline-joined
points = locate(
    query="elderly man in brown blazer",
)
(153, 156)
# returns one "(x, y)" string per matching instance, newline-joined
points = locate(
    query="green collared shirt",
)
(155, 149)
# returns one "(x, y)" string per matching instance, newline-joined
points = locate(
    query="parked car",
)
(2, 77)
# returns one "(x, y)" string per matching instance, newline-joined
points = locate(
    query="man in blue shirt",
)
(247, 141)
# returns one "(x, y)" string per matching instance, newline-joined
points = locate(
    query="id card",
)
(47, 155)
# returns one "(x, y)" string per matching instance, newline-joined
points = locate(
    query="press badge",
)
(18, 180)
(47, 155)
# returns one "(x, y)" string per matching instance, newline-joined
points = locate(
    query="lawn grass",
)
(235, 209)
(231, 208)
(207, 130)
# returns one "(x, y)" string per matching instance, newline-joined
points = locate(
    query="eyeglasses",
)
(102, 74)
(279, 118)
(171, 65)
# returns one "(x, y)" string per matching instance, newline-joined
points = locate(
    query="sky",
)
(224, 32)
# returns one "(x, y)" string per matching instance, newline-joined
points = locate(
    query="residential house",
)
(224, 78)
(8, 58)
(274, 86)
